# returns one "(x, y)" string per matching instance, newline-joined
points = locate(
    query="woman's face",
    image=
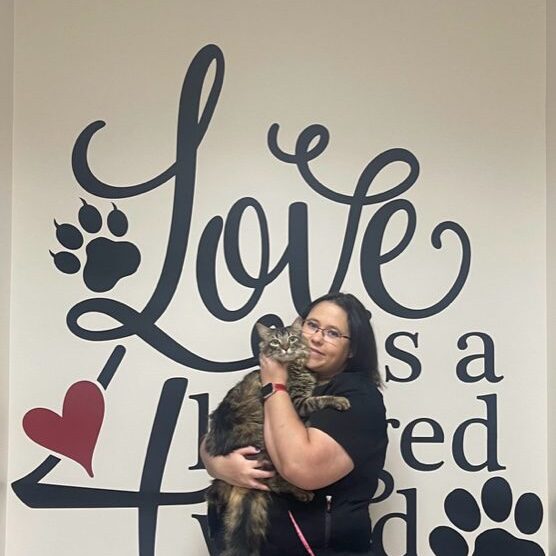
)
(327, 358)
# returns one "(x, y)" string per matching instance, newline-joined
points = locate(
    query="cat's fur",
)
(238, 422)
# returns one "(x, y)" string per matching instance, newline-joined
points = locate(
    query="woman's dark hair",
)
(363, 358)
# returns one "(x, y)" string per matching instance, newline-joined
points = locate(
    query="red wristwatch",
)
(271, 388)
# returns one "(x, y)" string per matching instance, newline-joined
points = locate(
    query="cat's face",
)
(283, 344)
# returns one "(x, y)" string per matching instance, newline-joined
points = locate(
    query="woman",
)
(337, 454)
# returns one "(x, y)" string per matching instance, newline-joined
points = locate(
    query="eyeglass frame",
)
(324, 331)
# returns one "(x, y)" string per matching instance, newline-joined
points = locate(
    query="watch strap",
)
(271, 388)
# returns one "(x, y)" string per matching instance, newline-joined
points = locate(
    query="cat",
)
(238, 422)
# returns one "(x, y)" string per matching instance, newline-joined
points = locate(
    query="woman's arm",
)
(306, 457)
(235, 468)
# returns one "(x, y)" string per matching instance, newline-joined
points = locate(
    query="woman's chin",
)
(312, 364)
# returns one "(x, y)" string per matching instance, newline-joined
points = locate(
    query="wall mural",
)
(92, 244)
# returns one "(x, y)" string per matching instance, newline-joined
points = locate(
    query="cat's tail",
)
(246, 520)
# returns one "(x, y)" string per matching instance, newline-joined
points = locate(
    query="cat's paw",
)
(340, 403)
(304, 496)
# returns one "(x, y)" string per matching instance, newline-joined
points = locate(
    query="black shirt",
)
(337, 521)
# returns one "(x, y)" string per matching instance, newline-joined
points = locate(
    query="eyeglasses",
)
(329, 334)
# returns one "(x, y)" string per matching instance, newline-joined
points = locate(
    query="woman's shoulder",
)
(352, 379)
(354, 384)
(361, 430)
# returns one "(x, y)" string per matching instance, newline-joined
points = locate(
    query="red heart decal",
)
(75, 433)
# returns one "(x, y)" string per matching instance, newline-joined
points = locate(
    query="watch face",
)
(267, 389)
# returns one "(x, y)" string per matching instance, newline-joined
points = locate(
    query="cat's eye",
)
(293, 339)
(274, 343)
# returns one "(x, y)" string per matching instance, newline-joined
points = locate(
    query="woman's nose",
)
(317, 337)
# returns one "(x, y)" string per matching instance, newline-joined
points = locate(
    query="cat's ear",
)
(262, 330)
(297, 324)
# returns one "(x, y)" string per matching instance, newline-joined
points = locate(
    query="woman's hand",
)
(272, 371)
(238, 469)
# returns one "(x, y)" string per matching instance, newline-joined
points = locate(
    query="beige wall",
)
(551, 262)
(461, 85)
(6, 127)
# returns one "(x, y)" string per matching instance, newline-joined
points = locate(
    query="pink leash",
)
(300, 535)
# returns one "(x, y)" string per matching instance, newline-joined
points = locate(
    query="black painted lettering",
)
(490, 425)
(486, 356)
(405, 356)
(408, 520)
(372, 259)
(202, 424)
(410, 438)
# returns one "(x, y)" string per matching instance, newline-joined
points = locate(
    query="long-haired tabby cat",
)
(238, 422)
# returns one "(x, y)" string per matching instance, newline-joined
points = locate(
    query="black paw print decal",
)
(496, 499)
(107, 261)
